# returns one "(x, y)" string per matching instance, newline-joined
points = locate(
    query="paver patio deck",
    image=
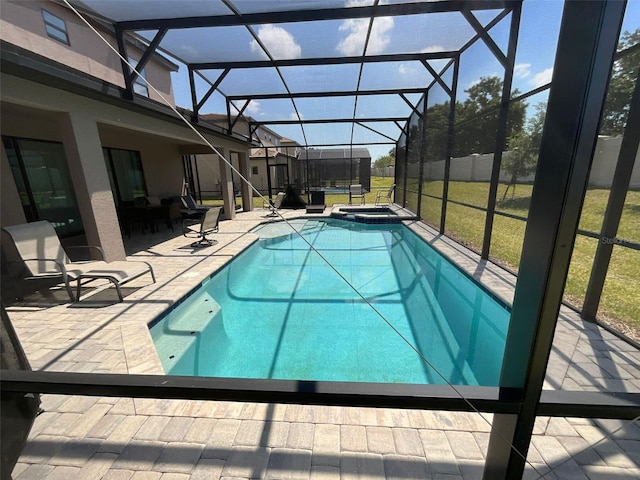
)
(122, 438)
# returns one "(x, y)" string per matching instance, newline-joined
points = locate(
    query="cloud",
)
(279, 42)
(522, 70)
(412, 70)
(541, 78)
(356, 31)
(253, 109)
(433, 49)
(187, 51)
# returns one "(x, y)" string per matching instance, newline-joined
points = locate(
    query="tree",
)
(476, 121)
(522, 157)
(477, 118)
(621, 85)
(437, 131)
(384, 161)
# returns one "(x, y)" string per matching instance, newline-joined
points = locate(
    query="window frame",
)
(111, 162)
(139, 86)
(54, 31)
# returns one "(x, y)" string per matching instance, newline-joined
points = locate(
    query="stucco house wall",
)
(22, 24)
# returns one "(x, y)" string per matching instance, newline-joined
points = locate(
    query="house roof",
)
(271, 153)
(335, 153)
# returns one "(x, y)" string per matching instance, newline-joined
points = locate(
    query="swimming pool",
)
(279, 311)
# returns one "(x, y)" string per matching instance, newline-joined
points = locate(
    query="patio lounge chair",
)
(189, 209)
(35, 252)
(317, 204)
(275, 205)
(207, 225)
(385, 195)
(356, 191)
(190, 204)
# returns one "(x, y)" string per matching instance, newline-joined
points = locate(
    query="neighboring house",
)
(278, 151)
(76, 144)
(338, 167)
(281, 157)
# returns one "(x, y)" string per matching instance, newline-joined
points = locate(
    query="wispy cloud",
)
(356, 33)
(253, 109)
(522, 70)
(432, 49)
(280, 43)
(541, 78)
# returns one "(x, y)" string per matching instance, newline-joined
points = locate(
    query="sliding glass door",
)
(125, 174)
(42, 177)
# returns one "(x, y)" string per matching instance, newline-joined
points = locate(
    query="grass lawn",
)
(377, 183)
(621, 296)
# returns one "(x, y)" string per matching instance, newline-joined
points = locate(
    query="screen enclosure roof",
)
(322, 72)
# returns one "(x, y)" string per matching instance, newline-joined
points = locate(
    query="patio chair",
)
(356, 191)
(385, 195)
(189, 203)
(274, 205)
(317, 204)
(207, 225)
(189, 208)
(34, 251)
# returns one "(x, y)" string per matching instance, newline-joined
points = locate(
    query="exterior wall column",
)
(247, 192)
(91, 183)
(226, 184)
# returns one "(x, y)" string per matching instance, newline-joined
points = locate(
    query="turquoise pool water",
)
(279, 311)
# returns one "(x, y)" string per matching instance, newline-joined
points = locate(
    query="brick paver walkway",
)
(143, 439)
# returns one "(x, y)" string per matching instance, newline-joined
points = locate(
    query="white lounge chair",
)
(356, 191)
(207, 225)
(34, 251)
(385, 195)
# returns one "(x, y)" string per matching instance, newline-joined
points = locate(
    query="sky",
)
(538, 35)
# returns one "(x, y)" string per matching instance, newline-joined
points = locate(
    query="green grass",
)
(377, 183)
(620, 299)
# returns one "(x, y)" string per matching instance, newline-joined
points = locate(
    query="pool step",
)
(197, 313)
(185, 338)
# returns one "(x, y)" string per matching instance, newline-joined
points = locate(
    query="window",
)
(125, 174)
(254, 170)
(55, 27)
(139, 81)
(42, 176)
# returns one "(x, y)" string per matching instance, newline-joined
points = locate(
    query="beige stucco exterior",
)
(47, 95)
(22, 24)
(84, 125)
